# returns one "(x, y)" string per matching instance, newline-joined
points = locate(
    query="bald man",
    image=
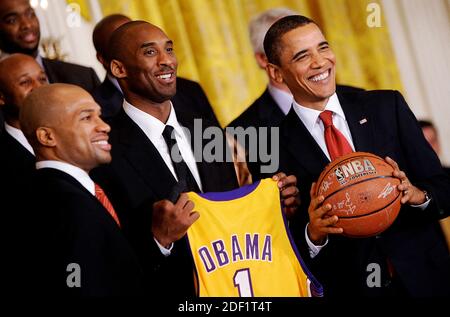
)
(20, 33)
(19, 75)
(189, 96)
(83, 251)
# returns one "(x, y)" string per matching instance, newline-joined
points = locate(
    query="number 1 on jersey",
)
(243, 282)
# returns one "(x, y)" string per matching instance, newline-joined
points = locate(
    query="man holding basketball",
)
(410, 258)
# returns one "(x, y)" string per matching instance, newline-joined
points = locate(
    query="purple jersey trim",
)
(232, 194)
(316, 287)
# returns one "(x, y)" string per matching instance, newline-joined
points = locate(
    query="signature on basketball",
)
(386, 191)
(347, 205)
(325, 186)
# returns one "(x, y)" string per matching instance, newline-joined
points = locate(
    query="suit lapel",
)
(300, 144)
(144, 157)
(358, 121)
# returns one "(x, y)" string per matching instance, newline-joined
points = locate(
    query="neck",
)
(316, 105)
(13, 122)
(160, 111)
(281, 86)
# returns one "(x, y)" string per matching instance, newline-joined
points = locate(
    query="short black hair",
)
(272, 40)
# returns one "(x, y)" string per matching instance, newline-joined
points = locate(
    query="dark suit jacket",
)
(63, 72)
(414, 243)
(190, 97)
(16, 162)
(136, 178)
(72, 226)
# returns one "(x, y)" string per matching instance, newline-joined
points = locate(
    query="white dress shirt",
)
(282, 98)
(312, 122)
(153, 129)
(18, 135)
(80, 175)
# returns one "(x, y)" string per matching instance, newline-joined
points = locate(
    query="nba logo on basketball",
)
(354, 169)
(340, 176)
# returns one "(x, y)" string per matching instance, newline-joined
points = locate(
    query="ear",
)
(45, 137)
(101, 59)
(261, 59)
(118, 69)
(274, 73)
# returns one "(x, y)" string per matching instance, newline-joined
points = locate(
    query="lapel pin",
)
(362, 121)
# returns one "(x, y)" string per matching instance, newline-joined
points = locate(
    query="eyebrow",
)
(304, 51)
(154, 43)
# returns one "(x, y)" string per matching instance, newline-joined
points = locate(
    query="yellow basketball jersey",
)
(242, 247)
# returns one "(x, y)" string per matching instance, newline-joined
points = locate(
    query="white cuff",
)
(165, 251)
(422, 206)
(313, 249)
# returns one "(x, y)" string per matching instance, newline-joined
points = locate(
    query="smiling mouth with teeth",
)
(165, 76)
(321, 76)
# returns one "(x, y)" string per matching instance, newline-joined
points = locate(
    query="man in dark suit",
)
(412, 255)
(19, 75)
(269, 109)
(144, 171)
(190, 97)
(20, 33)
(74, 229)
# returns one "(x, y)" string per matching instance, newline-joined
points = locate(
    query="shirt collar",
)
(80, 175)
(151, 126)
(310, 117)
(281, 97)
(18, 135)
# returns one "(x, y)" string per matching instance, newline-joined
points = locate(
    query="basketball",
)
(362, 192)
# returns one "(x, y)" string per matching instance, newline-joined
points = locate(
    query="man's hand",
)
(170, 222)
(411, 194)
(289, 192)
(320, 222)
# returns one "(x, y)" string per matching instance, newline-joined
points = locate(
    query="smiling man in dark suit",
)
(411, 254)
(74, 233)
(189, 96)
(144, 173)
(19, 75)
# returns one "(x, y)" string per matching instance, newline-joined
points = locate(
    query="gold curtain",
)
(213, 47)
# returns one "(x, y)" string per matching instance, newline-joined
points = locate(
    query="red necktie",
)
(337, 144)
(101, 196)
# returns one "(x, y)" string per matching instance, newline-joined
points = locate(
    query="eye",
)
(170, 50)
(43, 80)
(25, 82)
(150, 52)
(11, 20)
(86, 118)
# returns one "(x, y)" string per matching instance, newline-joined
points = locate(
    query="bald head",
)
(124, 34)
(19, 75)
(62, 122)
(45, 107)
(102, 35)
